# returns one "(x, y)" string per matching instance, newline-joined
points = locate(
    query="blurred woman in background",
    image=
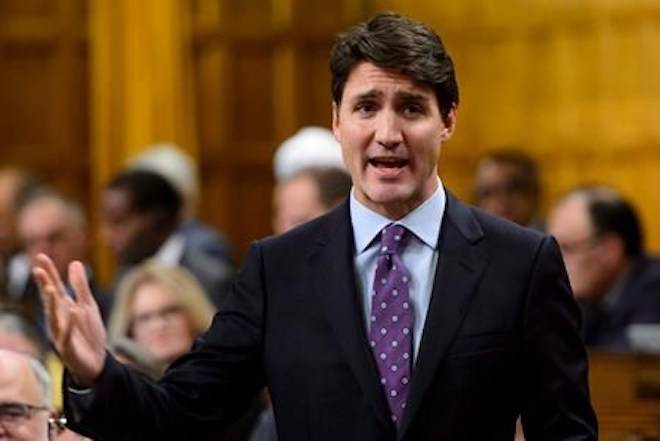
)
(158, 313)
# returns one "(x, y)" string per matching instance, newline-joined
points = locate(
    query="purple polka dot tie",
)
(390, 331)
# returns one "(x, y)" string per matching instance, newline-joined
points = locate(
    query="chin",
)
(388, 192)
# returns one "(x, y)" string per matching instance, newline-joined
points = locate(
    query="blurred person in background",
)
(26, 410)
(50, 223)
(18, 334)
(181, 171)
(15, 186)
(308, 194)
(507, 184)
(614, 281)
(309, 147)
(159, 311)
(162, 309)
(310, 177)
(141, 216)
(24, 398)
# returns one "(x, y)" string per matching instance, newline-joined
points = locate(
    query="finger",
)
(43, 283)
(78, 280)
(41, 276)
(48, 266)
(49, 299)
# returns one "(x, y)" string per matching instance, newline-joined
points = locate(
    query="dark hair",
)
(149, 192)
(333, 184)
(526, 177)
(391, 41)
(610, 213)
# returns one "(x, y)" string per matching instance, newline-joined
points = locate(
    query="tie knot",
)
(393, 239)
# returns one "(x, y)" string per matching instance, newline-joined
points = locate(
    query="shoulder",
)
(497, 235)
(306, 238)
(645, 275)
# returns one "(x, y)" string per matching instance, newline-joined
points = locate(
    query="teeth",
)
(388, 161)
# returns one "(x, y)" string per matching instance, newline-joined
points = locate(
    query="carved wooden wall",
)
(577, 84)
(261, 73)
(44, 124)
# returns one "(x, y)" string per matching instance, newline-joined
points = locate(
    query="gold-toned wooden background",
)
(86, 83)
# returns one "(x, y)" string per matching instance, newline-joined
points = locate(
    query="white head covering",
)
(172, 163)
(176, 166)
(309, 147)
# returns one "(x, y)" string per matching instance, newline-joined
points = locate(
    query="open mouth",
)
(382, 162)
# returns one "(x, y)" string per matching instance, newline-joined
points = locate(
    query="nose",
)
(388, 130)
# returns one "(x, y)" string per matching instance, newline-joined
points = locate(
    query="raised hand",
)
(74, 325)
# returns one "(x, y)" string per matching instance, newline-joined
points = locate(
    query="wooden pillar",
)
(141, 86)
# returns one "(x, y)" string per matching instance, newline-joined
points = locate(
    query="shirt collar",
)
(424, 221)
(171, 251)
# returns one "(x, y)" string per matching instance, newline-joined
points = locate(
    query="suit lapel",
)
(335, 281)
(460, 266)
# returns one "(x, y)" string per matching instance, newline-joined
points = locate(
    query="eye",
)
(412, 110)
(365, 108)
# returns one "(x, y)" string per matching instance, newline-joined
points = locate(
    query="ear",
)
(450, 124)
(335, 120)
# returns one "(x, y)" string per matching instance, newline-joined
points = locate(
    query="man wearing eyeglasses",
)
(24, 398)
(615, 283)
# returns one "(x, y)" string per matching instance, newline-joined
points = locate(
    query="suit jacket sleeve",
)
(201, 393)
(556, 403)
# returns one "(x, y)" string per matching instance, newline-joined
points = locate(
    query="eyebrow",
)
(370, 94)
(403, 95)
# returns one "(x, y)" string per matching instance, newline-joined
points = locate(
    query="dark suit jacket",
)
(638, 301)
(207, 240)
(213, 274)
(501, 339)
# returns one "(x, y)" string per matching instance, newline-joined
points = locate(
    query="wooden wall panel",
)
(576, 84)
(262, 72)
(43, 91)
(312, 80)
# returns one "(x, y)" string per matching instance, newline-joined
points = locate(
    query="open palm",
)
(74, 325)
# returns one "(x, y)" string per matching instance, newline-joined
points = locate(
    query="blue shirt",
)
(420, 255)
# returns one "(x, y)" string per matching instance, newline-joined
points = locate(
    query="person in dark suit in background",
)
(614, 281)
(181, 171)
(507, 183)
(53, 224)
(403, 314)
(141, 214)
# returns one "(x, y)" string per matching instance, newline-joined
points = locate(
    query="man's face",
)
(498, 193)
(129, 235)
(584, 254)
(46, 226)
(296, 201)
(391, 131)
(19, 387)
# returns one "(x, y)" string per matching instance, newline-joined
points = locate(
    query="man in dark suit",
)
(614, 281)
(401, 315)
(141, 216)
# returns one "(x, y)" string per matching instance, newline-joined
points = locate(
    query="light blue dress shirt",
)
(420, 255)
